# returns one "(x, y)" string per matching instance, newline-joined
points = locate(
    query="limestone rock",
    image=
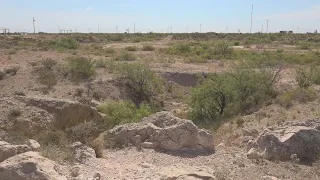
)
(8, 150)
(161, 131)
(33, 144)
(66, 113)
(283, 142)
(29, 166)
(82, 152)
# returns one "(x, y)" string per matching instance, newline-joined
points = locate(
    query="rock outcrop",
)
(161, 131)
(8, 150)
(82, 152)
(29, 166)
(301, 140)
(66, 113)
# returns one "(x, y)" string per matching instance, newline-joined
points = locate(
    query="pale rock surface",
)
(300, 139)
(33, 144)
(29, 166)
(161, 131)
(8, 150)
(82, 152)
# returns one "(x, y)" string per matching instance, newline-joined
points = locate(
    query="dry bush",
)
(125, 56)
(81, 68)
(12, 70)
(2, 75)
(131, 48)
(19, 93)
(148, 48)
(14, 113)
(301, 95)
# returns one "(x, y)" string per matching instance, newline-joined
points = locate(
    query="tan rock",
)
(164, 131)
(8, 150)
(82, 152)
(29, 166)
(33, 144)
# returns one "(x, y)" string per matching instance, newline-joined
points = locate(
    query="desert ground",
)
(102, 106)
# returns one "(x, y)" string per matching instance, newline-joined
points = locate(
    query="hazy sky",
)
(160, 15)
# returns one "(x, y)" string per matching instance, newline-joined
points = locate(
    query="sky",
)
(160, 15)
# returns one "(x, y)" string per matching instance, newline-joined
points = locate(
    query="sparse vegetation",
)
(67, 43)
(123, 112)
(14, 113)
(46, 73)
(141, 82)
(81, 68)
(2, 75)
(148, 48)
(301, 95)
(12, 70)
(131, 48)
(125, 56)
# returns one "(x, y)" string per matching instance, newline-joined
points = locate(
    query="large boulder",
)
(8, 150)
(295, 140)
(161, 131)
(29, 166)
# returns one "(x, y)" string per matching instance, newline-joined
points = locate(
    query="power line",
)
(251, 20)
(34, 27)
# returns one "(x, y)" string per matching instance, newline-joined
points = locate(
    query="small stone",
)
(254, 154)
(33, 144)
(147, 145)
(75, 171)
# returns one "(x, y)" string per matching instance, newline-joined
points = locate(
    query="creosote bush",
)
(301, 95)
(125, 56)
(46, 73)
(148, 48)
(81, 68)
(241, 91)
(67, 43)
(121, 112)
(131, 48)
(305, 77)
(141, 83)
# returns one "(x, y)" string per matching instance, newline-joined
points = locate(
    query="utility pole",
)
(262, 28)
(267, 26)
(117, 29)
(251, 19)
(34, 27)
(200, 27)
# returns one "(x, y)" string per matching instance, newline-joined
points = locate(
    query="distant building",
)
(286, 32)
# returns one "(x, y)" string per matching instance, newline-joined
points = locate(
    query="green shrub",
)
(210, 99)
(100, 63)
(305, 45)
(126, 57)
(46, 74)
(305, 77)
(148, 48)
(241, 91)
(121, 112)
(181, 48)
(222, 49)
(237, 43)
(67, 43)
(81, 68)
(131, 48)
(141, 82)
